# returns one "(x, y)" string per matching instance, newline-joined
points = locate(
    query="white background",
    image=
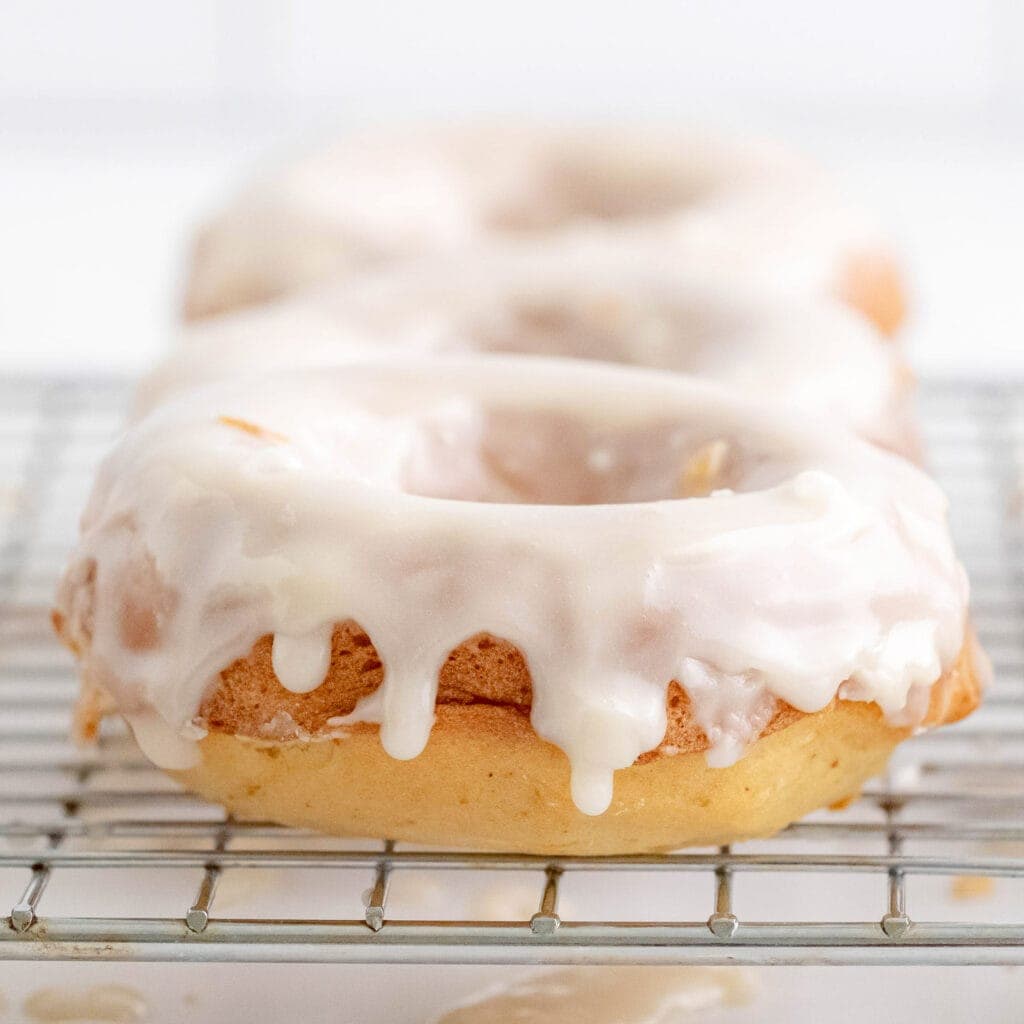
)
(122, 122)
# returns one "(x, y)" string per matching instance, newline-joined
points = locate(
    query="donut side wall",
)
(487, 781)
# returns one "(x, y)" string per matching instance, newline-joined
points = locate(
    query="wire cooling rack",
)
(102, 857)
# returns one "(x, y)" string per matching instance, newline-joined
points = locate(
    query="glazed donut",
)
(514, 602)
(748, 210)
(811, 354)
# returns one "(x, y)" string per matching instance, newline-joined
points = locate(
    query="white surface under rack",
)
(102, 857)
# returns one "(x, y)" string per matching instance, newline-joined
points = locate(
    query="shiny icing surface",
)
(549, 503)
(579, 299)
(746, 209)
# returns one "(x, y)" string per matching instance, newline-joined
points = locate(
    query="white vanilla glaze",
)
(607, 995)
(434, 500)
(581, 299)
(748, 209)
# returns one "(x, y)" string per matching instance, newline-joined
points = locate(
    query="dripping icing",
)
(301, 661)
(799, 573)
(167, 748)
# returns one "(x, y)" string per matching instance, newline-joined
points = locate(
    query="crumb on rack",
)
(847, 801)
(972, 887)
(253, 429)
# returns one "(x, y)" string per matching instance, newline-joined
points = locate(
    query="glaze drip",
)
(433, 501)
(301, 662)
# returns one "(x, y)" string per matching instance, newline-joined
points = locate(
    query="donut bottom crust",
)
(487, 781)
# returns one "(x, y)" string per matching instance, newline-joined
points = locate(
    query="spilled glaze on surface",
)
(608, 995)
(539, 501)
(102, 1004)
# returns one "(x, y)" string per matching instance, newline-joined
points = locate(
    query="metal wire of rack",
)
(104, 858)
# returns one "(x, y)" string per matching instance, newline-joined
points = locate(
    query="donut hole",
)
(526, 457)
(437, 433)
(615, 324)
(594, 184)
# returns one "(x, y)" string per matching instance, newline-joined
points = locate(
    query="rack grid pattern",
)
(101, 857)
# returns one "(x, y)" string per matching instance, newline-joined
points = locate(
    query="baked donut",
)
(747, 209)
(585, 300)
(512, 602)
